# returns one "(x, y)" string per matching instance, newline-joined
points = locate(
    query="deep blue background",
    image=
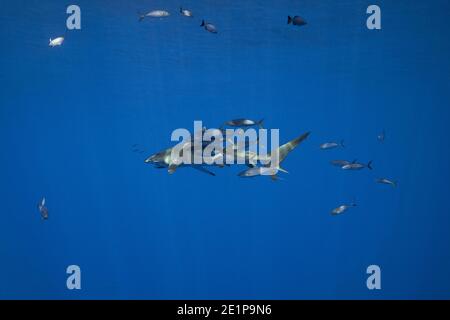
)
(69, 116)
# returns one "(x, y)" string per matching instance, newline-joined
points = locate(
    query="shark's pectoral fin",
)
(172, 168)
(202, 169)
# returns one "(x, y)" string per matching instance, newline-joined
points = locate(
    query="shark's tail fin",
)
(369, 165)
(289, 20)
(203, 23)
(342, 144)
(284, 150)
(141, 17)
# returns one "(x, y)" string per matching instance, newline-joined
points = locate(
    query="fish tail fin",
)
(395, 183)
(369, 165)
(289, 20)
(141, 17)
(181, 9)
(342, 144)
(260, 123)
(203, 23)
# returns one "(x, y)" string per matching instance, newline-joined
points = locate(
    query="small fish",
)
(296, 21)
(357, 166)
(387, 181)
(43, 209)
(342, 208)
(381, 136)
(186, 13)
(209, 26)
(56, 42)
(258, 171)
(332, 145)
(244, 123)
(155, 14)
(341, 163)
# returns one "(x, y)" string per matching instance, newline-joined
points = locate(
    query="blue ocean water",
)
(69, 116)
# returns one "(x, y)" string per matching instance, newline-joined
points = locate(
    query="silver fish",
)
(258, 171)
(342, 208)
(186, 13)
(331, 145)
(244, 123)
(387, 181)
(357, 166)
(296, 21)
(56, 42)
(209, 26)
(155, 14)
(340, 163)
(43, 209)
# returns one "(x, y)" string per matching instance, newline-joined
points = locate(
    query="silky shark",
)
(166, 158)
